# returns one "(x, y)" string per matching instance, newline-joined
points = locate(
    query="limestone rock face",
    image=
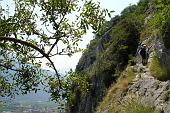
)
(103, 41)
(88, 103)
(88, 59)
(162, 52)
(152, 92)
(95, 94)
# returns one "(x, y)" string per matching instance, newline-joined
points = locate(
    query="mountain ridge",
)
(108, 57)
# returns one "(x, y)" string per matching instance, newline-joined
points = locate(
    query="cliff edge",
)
(118, 81)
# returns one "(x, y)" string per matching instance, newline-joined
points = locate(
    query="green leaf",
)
(37, 65)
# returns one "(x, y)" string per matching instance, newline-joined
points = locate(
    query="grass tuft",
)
(133, 105)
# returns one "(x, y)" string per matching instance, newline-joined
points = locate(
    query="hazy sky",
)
(64, 63)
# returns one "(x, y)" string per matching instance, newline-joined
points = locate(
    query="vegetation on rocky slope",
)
(158, 71)
(108, 55)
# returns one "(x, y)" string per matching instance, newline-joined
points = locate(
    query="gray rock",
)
(151, 91)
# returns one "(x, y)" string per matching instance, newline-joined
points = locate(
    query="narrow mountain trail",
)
(150, 90)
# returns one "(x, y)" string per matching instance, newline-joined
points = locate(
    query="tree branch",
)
(55, 43)
(25, 43)
(57, 25)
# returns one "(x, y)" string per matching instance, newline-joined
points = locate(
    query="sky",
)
(64, 63)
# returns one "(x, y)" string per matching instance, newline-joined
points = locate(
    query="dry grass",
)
(129, 104)
(112, 100)
(115, 101)
(132, 104)
(113, 97)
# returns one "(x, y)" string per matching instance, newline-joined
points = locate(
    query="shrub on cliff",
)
(158, 71)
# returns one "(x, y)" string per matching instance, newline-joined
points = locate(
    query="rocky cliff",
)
(114, 68)
(147, 89)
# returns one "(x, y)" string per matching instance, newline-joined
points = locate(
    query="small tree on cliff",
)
(33, 30)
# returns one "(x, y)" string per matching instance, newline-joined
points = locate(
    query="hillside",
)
(117, 78)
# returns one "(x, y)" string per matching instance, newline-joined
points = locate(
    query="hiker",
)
(143, 53)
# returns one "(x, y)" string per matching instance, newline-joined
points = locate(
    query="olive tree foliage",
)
(35, 31)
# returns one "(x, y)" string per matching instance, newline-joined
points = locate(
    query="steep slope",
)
(145, 89)
(136, 82)
(106, 60)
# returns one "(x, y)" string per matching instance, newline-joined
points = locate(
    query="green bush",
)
(158, 71)
(128, 10)
(159, 24)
